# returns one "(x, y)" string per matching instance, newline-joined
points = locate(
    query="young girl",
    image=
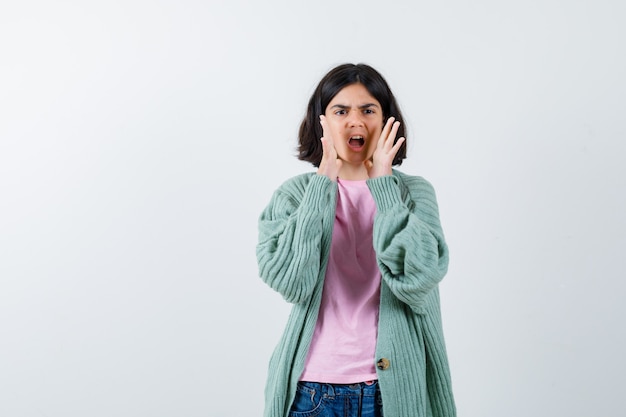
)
(357, 248)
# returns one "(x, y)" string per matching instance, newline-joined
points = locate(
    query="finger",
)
(325, 130)
(397, 146)
(392, 136)
(385, 133)
(324, 124)
(327, 148)
(324, 146)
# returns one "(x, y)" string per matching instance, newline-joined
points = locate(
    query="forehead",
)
(354, 94)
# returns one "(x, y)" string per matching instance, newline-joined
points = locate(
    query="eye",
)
(369, 111)
(340, 112)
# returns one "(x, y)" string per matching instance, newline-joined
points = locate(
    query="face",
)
(355, 120)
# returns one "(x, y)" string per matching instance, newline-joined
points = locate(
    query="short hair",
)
(309, 145)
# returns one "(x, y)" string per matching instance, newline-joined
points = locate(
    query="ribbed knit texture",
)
(294, 241)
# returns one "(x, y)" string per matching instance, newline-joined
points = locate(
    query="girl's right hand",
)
(330, 163)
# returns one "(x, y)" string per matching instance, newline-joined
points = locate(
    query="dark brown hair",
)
(310, 147)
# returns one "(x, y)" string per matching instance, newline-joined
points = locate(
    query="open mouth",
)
(356, 141)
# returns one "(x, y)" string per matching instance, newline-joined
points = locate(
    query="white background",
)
(139, 141)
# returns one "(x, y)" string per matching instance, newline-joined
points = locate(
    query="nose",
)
(354, 118)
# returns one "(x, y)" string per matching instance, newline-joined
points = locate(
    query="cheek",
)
(377, 126)
(335, 129)
(376, 131)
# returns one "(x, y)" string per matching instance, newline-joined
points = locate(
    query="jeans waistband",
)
(335, 390)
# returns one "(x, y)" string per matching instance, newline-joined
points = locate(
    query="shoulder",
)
(309, 190)
(415, 185)
(419, 196)
(294, 188)
(296, 185)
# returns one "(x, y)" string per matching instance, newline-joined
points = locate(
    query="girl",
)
(358, 249)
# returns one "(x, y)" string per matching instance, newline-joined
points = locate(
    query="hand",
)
(330, 164)
(382, 159)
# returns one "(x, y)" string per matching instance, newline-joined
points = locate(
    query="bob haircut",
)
(310, 147)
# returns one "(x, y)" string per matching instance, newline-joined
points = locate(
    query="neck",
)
(353, 172)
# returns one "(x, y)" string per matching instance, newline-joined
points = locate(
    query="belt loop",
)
(330, 391)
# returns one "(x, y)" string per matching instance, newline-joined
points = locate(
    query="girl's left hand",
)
(382, 159)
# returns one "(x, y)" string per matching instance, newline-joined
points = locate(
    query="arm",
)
(408, 239)
(289, 252)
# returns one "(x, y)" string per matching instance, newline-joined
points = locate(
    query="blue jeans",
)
(315, 399)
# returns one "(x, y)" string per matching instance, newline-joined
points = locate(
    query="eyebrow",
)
(362, 106)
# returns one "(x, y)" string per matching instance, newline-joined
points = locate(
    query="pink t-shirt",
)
(344, 341)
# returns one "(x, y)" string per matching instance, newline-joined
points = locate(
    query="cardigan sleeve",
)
(290, 237)
(410, 247)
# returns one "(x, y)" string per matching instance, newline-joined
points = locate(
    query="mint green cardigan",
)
(295, 230)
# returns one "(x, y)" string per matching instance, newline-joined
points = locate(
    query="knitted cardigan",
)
(295, 230)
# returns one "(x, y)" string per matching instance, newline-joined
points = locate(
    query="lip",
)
(356, 142)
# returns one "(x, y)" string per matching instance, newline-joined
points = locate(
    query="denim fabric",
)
(315, 399)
